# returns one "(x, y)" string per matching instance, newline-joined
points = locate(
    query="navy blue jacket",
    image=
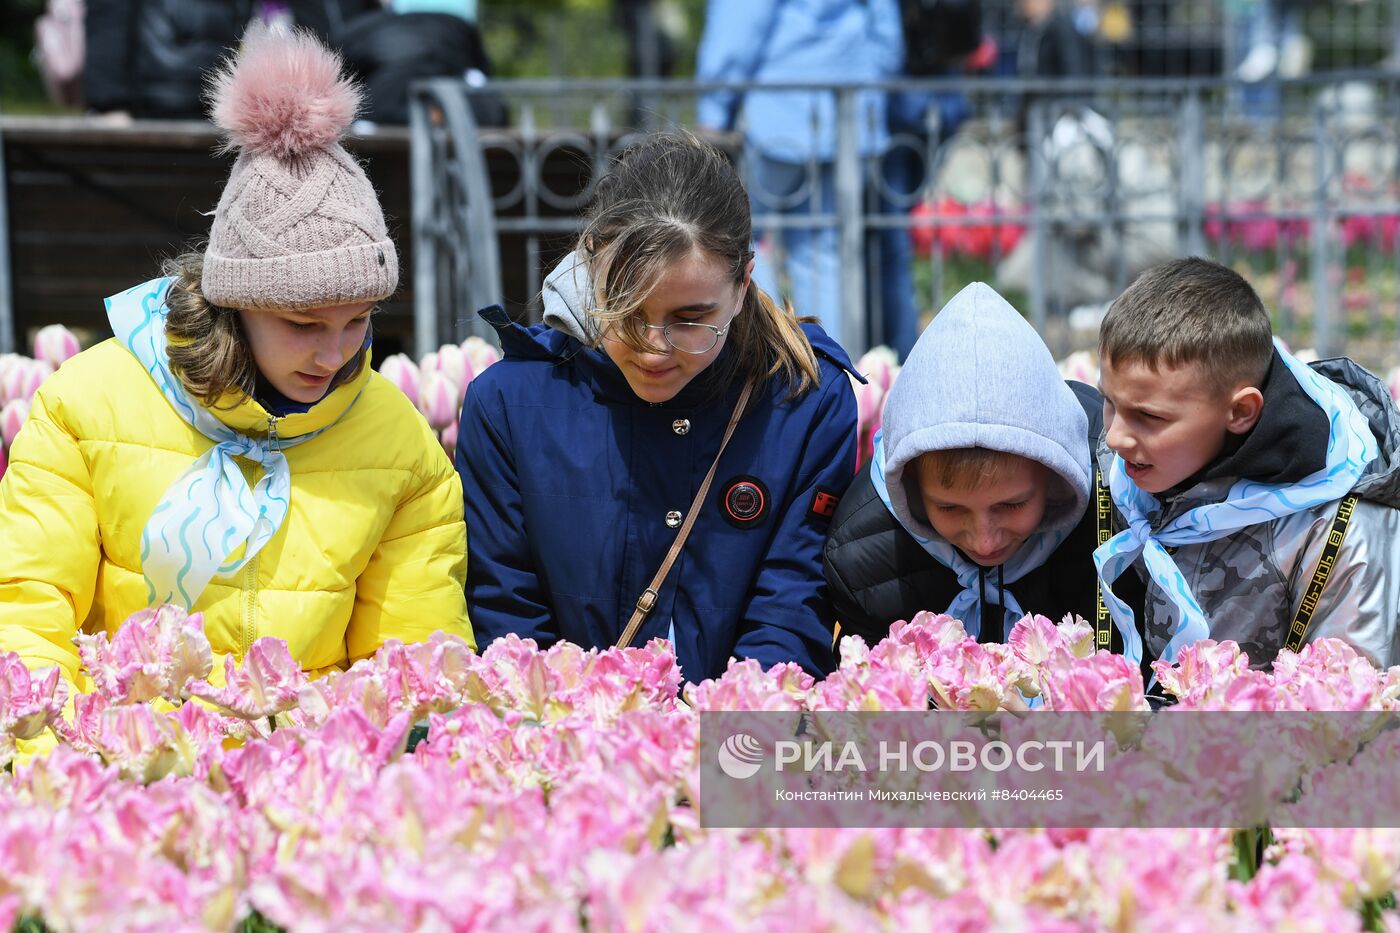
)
(568, 478)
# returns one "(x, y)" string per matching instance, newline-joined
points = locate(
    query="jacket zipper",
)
(249, 631)
(249, 628)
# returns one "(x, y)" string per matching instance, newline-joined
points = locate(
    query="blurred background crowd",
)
(1052, 147)
(146, 57)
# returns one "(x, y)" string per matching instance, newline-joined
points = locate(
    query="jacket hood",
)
(568, 331)
(567, 298)
(980, 376)
(1381, 481)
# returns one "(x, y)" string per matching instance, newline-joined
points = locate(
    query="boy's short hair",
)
(965, 468)
(1191, 311)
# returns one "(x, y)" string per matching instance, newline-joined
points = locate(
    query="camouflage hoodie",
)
(1250, 583)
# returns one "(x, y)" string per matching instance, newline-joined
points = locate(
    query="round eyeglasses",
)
(691, 336)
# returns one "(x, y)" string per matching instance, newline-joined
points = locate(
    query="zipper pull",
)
(273, 441)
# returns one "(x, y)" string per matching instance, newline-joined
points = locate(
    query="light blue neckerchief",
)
(209, 511)
(1350, 447)
(967, 605)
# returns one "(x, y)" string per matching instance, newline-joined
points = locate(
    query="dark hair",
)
(664, 198)
(1191, 311)
(208, 350)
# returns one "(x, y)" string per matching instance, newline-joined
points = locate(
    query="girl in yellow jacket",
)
(230, 450)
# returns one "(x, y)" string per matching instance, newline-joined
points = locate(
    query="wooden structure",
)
(90, 207)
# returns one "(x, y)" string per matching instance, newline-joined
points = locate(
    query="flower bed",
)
(555, 790)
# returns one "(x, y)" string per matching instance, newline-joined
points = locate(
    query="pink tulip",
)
(1290, 894)
(870, 402)
(55, 345)
(4, 461)
(402, 372)
(23, 378)
(438, 401)
(12, 418)
(266, 684)
(1328, 674)
(28, 702)
(1393, 383)
(746, 686)
(879, 366)
(969, 676)
(453, 364)
(1037, 641)
(870, 688)
(8, 361)
(1201, 668)
(155, 654)
(1081, 367)
(143, 744)
(429, 364)
(448, 436)
(1101, 683)
(480, 354)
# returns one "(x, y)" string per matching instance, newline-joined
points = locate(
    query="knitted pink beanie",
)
(298, 224)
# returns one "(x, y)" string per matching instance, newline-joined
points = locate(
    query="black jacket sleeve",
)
(877, 572)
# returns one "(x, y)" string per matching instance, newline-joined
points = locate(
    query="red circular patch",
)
(745, 501)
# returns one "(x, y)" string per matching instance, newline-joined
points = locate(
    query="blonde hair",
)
(966, 468)
(208, 350)
(666, 198)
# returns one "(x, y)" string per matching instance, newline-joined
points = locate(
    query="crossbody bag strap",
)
(1103, 530)
(1302, 620)
(647, 600)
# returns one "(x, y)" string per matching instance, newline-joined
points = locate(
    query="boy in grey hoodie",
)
(976, 500)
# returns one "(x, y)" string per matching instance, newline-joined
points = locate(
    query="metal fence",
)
(1057, 194)
(1134, 37)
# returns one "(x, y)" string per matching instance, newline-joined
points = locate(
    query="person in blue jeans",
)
(583, 452)
(790, 136)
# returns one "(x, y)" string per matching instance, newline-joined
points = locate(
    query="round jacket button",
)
(673, 519)
(681, 426)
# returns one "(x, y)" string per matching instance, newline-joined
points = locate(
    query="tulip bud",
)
(1080, 367)
(869, 399)
(23, 379)
(448, 435)
(428, 364)
(8, 361)
(453, 364)
(480, 353)
(55, 345)
(12, 418)
(438, 400)
(879, 365)
(402, 372)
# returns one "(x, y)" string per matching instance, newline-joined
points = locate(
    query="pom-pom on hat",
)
(298, 224)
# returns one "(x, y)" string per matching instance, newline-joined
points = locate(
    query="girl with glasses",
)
(583, 453)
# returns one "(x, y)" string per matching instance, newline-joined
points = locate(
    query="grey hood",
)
(568, 298)
(980, 376)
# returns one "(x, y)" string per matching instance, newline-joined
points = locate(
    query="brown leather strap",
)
(648, 597)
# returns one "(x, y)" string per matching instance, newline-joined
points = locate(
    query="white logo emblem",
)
(740, 756)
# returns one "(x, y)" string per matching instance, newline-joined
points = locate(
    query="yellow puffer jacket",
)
(373, 546)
